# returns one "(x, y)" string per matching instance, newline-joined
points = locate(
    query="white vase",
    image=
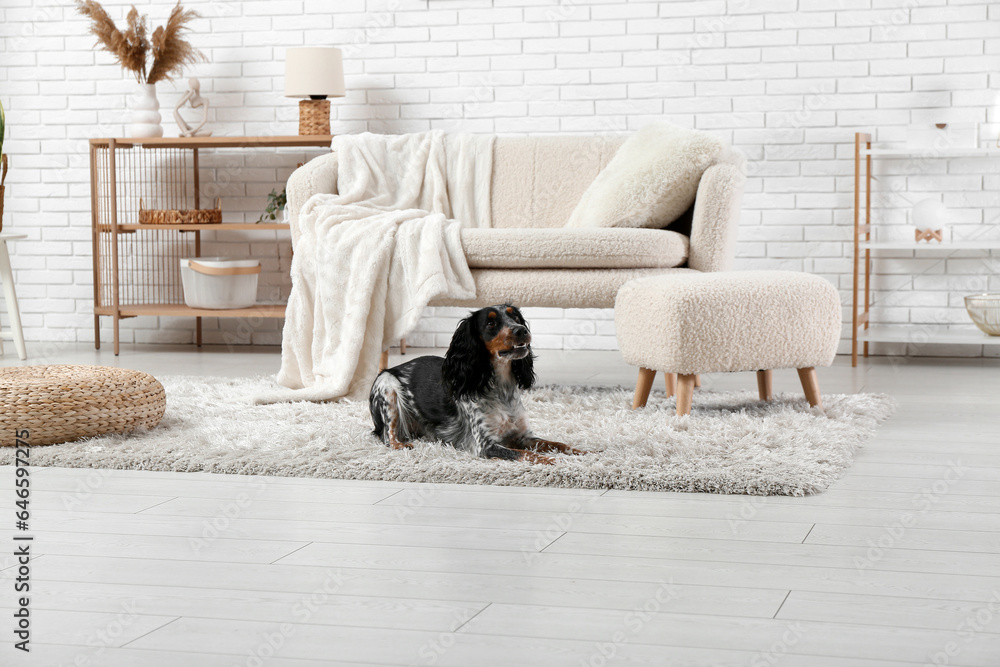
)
(144, 116)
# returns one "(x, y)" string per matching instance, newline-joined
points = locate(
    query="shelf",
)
(291, 141)
(224, 227)
(911, 245)
(924, 334)
(982, 151)
(268, 310)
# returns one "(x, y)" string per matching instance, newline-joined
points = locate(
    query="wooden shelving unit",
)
(229, 227)
(136, 266)
(182, 310)
(863, 331)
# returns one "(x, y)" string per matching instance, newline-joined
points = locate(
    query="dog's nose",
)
(520, 333)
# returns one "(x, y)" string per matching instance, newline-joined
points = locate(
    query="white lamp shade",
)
(929, 214)
(314, 71)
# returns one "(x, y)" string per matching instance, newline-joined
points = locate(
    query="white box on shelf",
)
(220, 283)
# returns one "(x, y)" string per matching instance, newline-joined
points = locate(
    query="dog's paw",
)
(531, 457)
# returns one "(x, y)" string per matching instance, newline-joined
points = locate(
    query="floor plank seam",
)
(176, 618)
(394, 493)
(153, 651)
(752, 652)
(785, 599)
(807, 534)
(571, 607)
(150, 507)
(488, 604)
(290, 553)
(558, 537)
(571, 577)
(395, 596)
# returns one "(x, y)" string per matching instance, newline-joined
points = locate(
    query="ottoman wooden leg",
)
(685, 389)
(810, 385)
(383, 361)
(764, 385)
(642, 387)
(670, 379)
(697, 380)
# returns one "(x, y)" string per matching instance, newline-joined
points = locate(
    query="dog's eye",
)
(491, 323)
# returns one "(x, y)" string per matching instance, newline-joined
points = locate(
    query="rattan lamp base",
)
(314, 117)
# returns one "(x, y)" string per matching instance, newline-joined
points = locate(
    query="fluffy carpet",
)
(731, 443)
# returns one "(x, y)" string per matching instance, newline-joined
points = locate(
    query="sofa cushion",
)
(652, 179)
(538, 180)
(606, 248)
(552, 288)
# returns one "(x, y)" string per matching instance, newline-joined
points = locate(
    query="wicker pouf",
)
(61, 403)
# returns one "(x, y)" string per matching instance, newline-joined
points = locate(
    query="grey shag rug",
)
(731, 443)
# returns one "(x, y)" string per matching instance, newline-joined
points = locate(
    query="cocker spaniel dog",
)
(471, 399)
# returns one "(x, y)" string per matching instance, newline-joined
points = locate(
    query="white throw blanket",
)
(369, 259)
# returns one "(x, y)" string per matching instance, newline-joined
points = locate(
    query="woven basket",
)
(314, 117)
(201, 216)
(57, 404)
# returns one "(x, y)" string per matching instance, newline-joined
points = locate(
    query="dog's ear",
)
(467, 370)
(524, 371)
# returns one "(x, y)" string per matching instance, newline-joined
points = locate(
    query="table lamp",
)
(929, 216)
(316, 72)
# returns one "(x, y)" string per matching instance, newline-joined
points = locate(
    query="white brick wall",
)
(787, 81)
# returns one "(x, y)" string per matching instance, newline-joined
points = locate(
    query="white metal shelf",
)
(950, 245)
(982, 151)
(864, 156)
(919, 334)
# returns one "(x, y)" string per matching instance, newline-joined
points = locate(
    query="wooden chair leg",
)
(642, 387)
(764, 385)
(670, 379)
(697, 380)
(402, 346)
(810, 385)
(685, 390)
(383, 362)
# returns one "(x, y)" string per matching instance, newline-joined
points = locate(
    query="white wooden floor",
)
(897, 564)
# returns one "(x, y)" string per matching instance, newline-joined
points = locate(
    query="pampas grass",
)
(169, 50)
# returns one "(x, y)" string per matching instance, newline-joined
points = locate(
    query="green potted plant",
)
(3, 162)
(275, 204)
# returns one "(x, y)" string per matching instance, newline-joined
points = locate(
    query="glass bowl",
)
(984, 309)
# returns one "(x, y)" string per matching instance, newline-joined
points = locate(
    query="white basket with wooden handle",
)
(220, 283)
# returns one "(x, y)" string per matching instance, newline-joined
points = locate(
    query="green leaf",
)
(3, 126)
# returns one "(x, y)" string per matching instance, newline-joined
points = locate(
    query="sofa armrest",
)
(716, 216)
(318, 176)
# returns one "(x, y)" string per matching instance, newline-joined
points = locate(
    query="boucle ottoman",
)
(56, 404)
(692, 323)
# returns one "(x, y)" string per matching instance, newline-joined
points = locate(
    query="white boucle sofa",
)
(530, 259)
